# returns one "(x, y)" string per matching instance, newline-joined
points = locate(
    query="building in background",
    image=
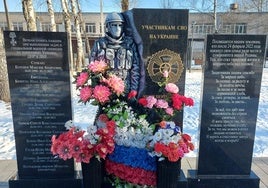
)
(200, 24)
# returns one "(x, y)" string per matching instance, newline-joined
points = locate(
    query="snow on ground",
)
(84, 115)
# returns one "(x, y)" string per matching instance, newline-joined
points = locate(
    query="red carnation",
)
(189, 101)
(143, 101)
(186, 137)
(132, 94)
(103, 117)
(177, 101)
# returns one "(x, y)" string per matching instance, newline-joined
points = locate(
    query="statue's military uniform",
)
(121, 56)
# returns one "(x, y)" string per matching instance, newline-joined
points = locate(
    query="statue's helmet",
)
(114, 24)
(114, 17)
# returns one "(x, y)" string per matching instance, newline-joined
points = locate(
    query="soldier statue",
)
(120, 52)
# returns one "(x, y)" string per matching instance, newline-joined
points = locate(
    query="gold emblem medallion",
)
(165, 60)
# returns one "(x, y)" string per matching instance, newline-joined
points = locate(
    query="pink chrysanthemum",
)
(151, 100)
(172, 88)
(82, 79)
(161, 103)
(169, 111)
(85, 94)
(116, 83)
(98, 66)
(101, 93)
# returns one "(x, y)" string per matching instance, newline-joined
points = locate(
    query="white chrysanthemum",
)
(124, 129)
(131, 130)
(89, 82)
(100, 124)
(153, 154)
(91, 138)
(157, 136)
(147, 131)
(69, 124)
(167, 140)
(176, 138)
(139, 137)
(92, 129)
(131, 138)
(167, 132)
(171, 124)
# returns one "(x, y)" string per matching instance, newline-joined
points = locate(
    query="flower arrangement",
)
(172, 103)
(169, 142)
(96, 85)
(123, 129)
(83, 145)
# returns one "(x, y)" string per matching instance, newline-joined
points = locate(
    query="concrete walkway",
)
(8, 169)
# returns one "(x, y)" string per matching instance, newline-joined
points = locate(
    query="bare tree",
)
(253, 5)
(80, 54)
(82, 23)
(9, 25)
(203, 6)
(124, 5)
(167, 3)
(29, 14)
(4, 87)
(67, 23)
(51, 14)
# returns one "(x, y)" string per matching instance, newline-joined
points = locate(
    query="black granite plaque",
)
(164, 36)
(39, 82)
(231, 89)
(164, 39)
(163, 33)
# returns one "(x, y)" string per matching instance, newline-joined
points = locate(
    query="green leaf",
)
(116, 118)
(121, 124)
(143, 116)
(95, 103)
(153, 126)
(125, 115)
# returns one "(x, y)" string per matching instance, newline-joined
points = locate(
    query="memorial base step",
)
(194, 181)
(45, 183)
(15, 182)
(182, 183)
